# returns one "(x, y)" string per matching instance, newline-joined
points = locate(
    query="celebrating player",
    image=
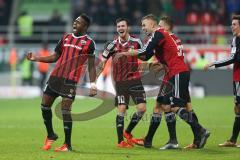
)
(162, 45)
(127, 80)
(71, 52)
(235, 60)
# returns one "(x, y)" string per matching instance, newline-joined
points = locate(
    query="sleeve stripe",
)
(225, 60)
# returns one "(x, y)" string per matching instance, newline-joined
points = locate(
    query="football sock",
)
(67, 124)
(154, 123)
(194, 116)
(120, 126)
(137, 116)
(171, 125)
(192, 121)
(236, 129)
(47, 117)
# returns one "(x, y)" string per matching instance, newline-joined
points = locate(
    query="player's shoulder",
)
(175, 37)
(66, 35)
(134, 38)
(91, 39)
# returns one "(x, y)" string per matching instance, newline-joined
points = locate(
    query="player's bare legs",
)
(46, 105)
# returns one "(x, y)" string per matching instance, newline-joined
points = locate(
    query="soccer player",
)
(167, 24)
(162, 45)
(235, 60)
(127, 80)
(71, 52)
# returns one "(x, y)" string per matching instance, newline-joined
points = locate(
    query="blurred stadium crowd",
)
(197, 22)
(184, 12)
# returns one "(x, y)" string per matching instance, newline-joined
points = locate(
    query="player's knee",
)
(170, 117)
(141, 107)
(189, 107)
(122, 108)
(140, 113)
(237, 101)
(166, 108)
(237, 109)
(157, 109)
(66, 110)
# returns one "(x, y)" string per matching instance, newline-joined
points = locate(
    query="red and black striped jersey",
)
(179, 45)
(167, 50)
(126, 68)
(74, 52)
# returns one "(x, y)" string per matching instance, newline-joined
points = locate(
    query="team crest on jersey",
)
(83, 42)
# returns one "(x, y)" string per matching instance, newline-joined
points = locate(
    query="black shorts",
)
(175, 92)
(125, 89)
(236, 92)
(57, 86)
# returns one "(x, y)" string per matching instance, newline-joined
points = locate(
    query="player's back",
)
(169, 52)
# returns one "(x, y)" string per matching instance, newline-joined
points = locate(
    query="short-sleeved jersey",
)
(73, 51)
(126, 68)
(233, 58)
(167, 50)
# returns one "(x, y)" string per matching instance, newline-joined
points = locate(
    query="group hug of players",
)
(76, 48)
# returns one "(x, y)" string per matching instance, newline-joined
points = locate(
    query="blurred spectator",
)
(43, 68)
(201, 62)
(192, 18)
(179, 11)
(206, 18)
(233, 6)
(13, 59)
(56, 18)
(167, 7)
(124, 9)
(104, 11)
(26, 68)
(2, 9)
(111, 11)
(25, 24)
(218, 35)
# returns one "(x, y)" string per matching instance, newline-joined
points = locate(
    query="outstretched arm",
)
(147, 51)
(221, 63)
(46, 59)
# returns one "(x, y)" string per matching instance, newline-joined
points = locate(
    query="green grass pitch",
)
(22, 133)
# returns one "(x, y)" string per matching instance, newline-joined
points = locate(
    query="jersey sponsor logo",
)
(83, 42)
(105, 53)
(73, 46)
